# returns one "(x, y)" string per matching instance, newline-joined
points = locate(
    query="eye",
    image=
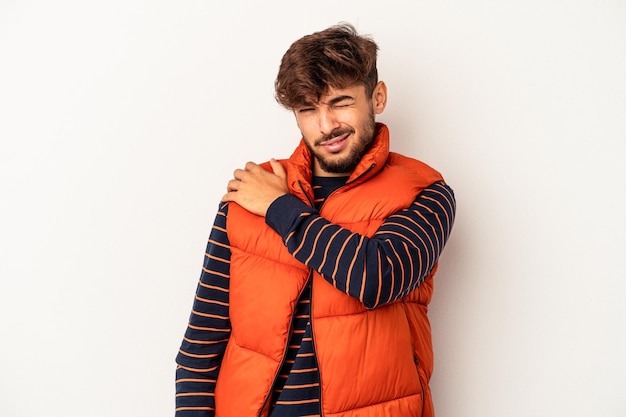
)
(305, 110)
(343, 103)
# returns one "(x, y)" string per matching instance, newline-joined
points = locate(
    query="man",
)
(319, 268)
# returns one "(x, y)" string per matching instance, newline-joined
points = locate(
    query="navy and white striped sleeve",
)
(375, 270)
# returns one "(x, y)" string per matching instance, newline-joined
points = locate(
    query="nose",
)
(327, 120)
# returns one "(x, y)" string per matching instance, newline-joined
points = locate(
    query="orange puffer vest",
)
(372, 363)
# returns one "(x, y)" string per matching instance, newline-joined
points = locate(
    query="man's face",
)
(340, 127)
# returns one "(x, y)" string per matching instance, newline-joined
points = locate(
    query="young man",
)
(319, 268)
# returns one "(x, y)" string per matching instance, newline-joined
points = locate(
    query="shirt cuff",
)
(284, 212)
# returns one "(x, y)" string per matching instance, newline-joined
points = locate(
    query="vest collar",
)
(300, 171)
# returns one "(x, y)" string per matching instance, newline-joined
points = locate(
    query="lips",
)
(335, 144)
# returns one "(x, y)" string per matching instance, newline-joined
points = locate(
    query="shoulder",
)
(412, 168)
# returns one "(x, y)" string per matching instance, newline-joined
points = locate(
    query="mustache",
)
(333, 134)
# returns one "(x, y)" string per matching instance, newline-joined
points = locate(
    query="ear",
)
(379, 97)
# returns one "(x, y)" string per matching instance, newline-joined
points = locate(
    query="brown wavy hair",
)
(336, 57)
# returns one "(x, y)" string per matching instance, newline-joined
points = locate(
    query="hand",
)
(255, 188)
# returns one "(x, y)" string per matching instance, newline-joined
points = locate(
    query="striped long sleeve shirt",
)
(405, 248)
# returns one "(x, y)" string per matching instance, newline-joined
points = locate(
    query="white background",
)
(121, 121)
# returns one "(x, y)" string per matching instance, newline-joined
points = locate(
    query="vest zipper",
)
(306, 194)
(367, 171)
(419, 378)
(312, 205)
(319, 374)
(282, 362)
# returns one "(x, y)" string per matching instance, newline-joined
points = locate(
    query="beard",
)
(360, 146)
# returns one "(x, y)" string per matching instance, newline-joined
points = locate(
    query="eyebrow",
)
(339, 99)
(330, 102)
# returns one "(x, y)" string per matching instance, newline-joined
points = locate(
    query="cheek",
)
(307, 128)
(354, 118)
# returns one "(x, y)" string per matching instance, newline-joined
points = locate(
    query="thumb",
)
(278, 168)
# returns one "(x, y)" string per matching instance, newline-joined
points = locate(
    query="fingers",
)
(278, 168)
(254, 174)
(239, 174)
(233, 185)
(251, 166)
(229, 196)
(254, 187)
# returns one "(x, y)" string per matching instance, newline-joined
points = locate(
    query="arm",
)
(375, 270)
(200, 355)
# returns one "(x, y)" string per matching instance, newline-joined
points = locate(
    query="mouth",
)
(335, 144)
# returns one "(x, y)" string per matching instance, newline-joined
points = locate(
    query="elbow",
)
(371, 299)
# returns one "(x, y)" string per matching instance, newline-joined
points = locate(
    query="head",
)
(330, 81)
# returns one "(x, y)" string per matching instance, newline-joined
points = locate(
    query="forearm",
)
(374, 270)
